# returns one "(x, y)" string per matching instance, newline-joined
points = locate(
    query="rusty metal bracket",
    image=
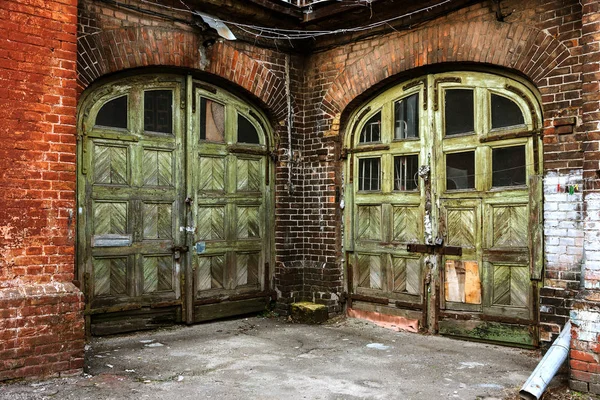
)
(434, 249)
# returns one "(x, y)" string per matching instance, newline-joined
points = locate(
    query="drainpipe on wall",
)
(547, 368)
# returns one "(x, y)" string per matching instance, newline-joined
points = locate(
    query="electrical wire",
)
(295, 34)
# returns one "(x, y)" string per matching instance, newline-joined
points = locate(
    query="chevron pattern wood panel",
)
(110, 165)
(247, 269)
(158, 274)
(413, 276)
(248, 175)
(157, 221)
(247, 222)
(369, 223)
(406, 224)
(511, 286)
(110, 218)
(217, 272)
(203, 274)
(157, 168)
(211, 223)
(211, 176)
(461, 226)
(510, 225)
(109, 276)
(370, 271)
(399, 270)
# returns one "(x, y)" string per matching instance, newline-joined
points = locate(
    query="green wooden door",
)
(150, 189)
(445, 226)
(230, 247)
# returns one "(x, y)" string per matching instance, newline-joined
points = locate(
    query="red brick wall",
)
(41, 329)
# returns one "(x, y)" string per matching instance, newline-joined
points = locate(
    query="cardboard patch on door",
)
(462, 283)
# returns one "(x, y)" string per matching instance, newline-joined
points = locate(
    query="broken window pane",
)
(247, 133)
(369, 173)
(212, 121)
(460, 171)
(505, 112)
(459, 113)
(113, 114)
(371, 130)
(508, 166)
(406, 172)
(158, 111)
(406, 121)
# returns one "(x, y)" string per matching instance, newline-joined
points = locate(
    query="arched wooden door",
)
(444, 224)
(174, 203)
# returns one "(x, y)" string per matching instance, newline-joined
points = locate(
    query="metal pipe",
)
(547, 368)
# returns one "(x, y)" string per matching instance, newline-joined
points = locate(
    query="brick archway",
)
(518, 47)
(125, 48)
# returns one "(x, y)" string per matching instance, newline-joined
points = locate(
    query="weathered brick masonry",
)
(41, 321)
(552, 43)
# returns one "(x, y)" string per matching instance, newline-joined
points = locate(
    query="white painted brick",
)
(566, 259)
(556, 232)
(569, 206)
(592, 265)
(567, 241)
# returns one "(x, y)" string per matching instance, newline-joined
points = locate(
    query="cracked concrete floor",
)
(262, 358)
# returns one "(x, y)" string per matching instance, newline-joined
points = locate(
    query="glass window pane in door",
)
(113, 114)
(459, 114)
(369, 174)
(158, 111)
(508, 166)
(247, 133)
(460, 171)
(406, 172)
(371, 131)
(406, 117)
(505, 112)
(212, 121)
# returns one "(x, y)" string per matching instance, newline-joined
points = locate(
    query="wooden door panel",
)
(408, 223)
(407, 275)
(462, 227)
(110, 164)
(370, 272)
(247, 219)
(211, 223)
(212, 178)
(509, 226)
(158, 167)
(248, 174)
(369, 222)
(157, 221)
(109, 276)
(247, 270)
(110, 218)
(158, 274)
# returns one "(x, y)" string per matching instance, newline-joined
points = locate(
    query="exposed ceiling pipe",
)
(547, 368)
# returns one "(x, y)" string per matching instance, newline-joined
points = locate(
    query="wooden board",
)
(514, 335)
(226, 309)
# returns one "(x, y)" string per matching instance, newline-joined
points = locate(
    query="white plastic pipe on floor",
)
(547, 368)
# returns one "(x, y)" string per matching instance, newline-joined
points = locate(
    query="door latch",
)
(177, 250)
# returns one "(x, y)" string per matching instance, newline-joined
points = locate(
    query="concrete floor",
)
(261, 358)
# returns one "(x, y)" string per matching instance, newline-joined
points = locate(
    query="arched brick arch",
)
(124, 48)
(514, 46)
